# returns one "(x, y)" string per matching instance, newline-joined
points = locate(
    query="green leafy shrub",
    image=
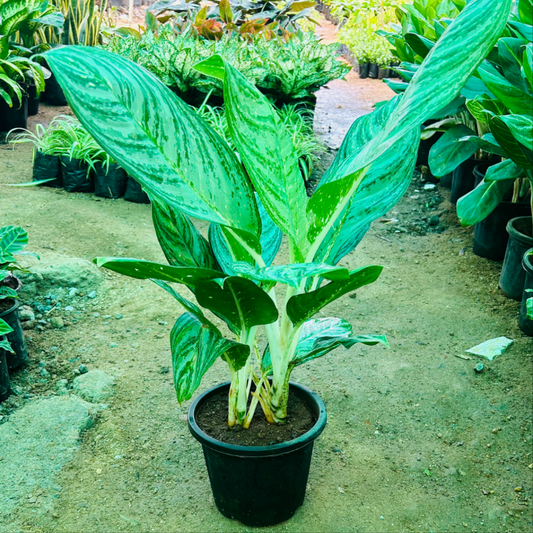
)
(285, 70)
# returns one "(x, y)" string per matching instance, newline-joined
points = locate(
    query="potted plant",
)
(5, 347)
(188, 170)
(526, 310)
(13, 240)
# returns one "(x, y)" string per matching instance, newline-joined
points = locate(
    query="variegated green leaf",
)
(506, 170)
(240, 302)
(505, 138)
(521, 127)
(177, 157)
(7, 292)
(481, 202)
(181, 242)
(13, 239)
(291, 275)
(302, 307)
(487, 143)
(386, 182)
(462, 47)
(266, 150)
(139, 269)
(511, 96)
(483, 108)
(195, 347)
(510, 54)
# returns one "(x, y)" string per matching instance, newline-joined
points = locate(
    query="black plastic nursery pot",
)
(5, 388)
(363, 70)
(47, 166)
(16, 337)
(260, 485)
(53, 93)
(76, 175)
(373, 71)
(520, 240)
(525, 323)
(134, 192)
(446, 181)
(490, 234)
(15, 116)
(463, 180)
(33, 101)
(109, 182)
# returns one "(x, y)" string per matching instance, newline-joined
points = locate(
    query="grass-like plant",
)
(189, 171)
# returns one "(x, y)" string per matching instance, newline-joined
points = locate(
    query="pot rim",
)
(11, 309)
(10, 275)
(260, 451)
(518, 235)
(527, 261)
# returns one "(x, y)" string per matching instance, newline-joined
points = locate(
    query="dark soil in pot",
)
(520, 241)
(525, 323)
(363, 70)
(46, 166)
(15, 116)
(134, 192)
(109, 182)
(259, 485)
(5, 388)
(212, 417)
(76, 175)
(9, 313)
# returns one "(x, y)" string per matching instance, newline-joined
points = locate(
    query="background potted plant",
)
(231, 274)
(13, 240)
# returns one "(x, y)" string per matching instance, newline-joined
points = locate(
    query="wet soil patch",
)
(212, 417)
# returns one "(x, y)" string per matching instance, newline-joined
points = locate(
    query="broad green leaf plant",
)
(189, 171)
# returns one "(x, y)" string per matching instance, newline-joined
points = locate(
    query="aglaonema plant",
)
(189, 171)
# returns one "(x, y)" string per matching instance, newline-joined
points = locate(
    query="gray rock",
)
(92, 295)
(35, 443)
(118, 316)
(26, 313)
(83, 369)
(94, 386)
(54, 271)
(434, 220)
(73, 292)
(57, 322)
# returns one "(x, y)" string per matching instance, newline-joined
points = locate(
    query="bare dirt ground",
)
(416, 439)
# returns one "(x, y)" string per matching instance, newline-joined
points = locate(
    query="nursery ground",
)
(416, 439)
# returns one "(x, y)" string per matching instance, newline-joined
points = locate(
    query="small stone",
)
(434, 220)
(96, 315)
(113, 344)
(94, 386)
(26, 313)
(340, 489)
(92, 295)
(429, 186)
(28, 325)
(73, 292)
(61, 384)
(98, 470)
(518, 489)
(162, 322)
(44, 373)
(57, 322)
(135, 345)
(479, 368)
(164, 370)
(83, 369)
(118, 316)
(69, 308)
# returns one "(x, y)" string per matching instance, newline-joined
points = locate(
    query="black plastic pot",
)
(15, 116)
(513, 275)
(109, 183)
(383, 73)
(16, 337)
(373, 71)
(46, 166)
(363, 70)
(446, 181)
(54, 94)
(33, 101)
(134, 193)
(463, 180)
(76, 175)
(525, 323)
(490, 234)
(260, 485)
(5, 388)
